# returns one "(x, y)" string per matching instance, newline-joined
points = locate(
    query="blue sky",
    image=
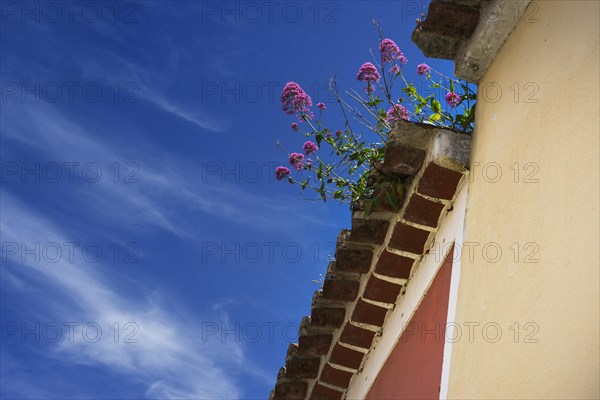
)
(147, 251)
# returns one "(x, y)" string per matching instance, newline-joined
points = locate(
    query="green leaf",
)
(374, 102)
(399, 189)
(436, 106)
(435, 117)
(322, 191)
(392, 199)
(319, 138)
(410, 90)
(368, 206)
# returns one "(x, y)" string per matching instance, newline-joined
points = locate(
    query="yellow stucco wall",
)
(559, 214)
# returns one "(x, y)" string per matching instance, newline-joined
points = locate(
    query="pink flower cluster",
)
(452, 99)
(294, 100)
(297, 161)
(368, 73)
(390, 52)
(397, 112)
(309, 147)
(281, 173)
(423, 69)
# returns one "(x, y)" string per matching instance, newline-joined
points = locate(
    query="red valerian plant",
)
(350, 173)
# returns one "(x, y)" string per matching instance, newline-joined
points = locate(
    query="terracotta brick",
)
(302, 368)
(423, 211)
(290, 391)
(346, 357)
(393, 265)
(335, 377)
(353, 260)
(340, 289)
(453, 19)
(448, 24)
(370, 231)
(368, 313)
(321, 392)
(355, 336)
(314, 344)
(323, 317)
(382, 291)
(408, 238)
(402, 159)
(439, 182)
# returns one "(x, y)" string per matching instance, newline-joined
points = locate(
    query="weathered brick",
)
(353, 260)
(409, 238)
(290, 391)
(439, 182)
(402, 159)
(324, 317)
(370, 231)
(355, 336)
(423, 211)
(382, 291)
(346, 357)
(447, 26)
(340, 289)
(302, 368)
(335, 377)
(393, 265)
(368, 313)
(321, 392)
(314, 344)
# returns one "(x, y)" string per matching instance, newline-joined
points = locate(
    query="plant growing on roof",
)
(350, 172)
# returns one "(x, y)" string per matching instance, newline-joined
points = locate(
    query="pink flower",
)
(297, 160)
(338, 133)
(368, 73)
(396, 113)
(295, 126)
(281, 173)
(309, 147)
(452, 99)
(321, 106)
(390, 51)
(395, 70)
(423, 69)
(295, 100)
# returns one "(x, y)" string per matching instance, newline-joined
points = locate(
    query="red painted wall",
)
(414, 368)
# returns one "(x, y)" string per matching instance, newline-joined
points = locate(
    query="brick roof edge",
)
(373, 265)
(470, 32)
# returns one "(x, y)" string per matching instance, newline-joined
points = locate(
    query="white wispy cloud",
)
(169, 358)
(150, 87)
(164, 183)
(194, 116)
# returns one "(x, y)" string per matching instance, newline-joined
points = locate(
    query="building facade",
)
(486, 284)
